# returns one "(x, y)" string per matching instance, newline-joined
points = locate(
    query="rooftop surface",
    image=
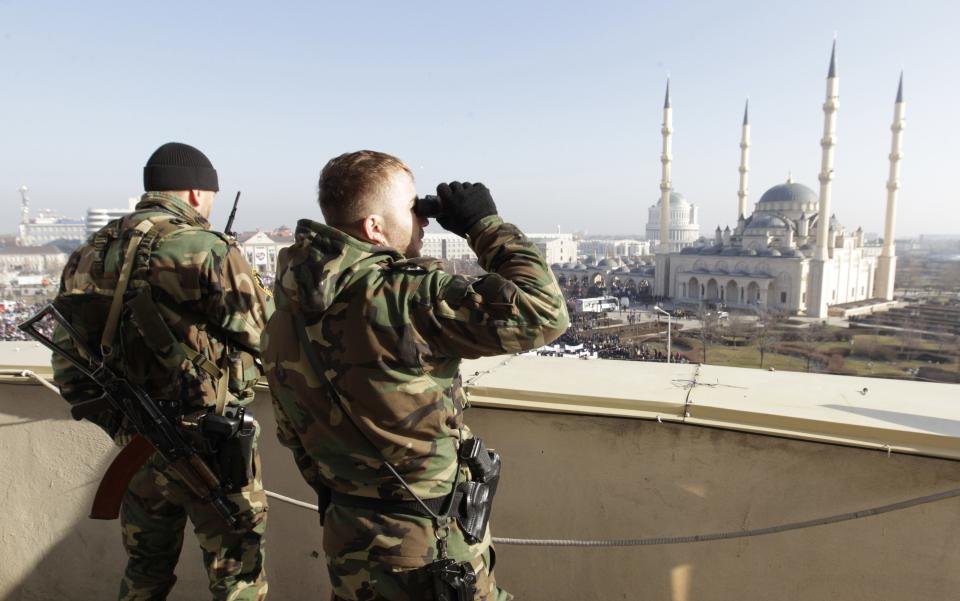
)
(896, 415)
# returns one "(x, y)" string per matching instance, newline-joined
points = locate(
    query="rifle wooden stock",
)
(116, 480)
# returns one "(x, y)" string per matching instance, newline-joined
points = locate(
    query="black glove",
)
(464, 205)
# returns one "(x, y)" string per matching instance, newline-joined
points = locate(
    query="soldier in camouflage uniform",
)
(212, 303)
(390, 329)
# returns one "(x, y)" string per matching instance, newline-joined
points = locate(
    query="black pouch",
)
(452, 580)
(232, 437)
(476, 502)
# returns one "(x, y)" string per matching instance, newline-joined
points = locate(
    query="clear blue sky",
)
(556, 106)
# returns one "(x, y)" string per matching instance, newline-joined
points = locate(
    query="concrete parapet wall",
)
(565, 476)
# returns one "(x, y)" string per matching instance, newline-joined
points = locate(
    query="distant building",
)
(684, 222)
(444, 245)
(32, 259)
(97, 218)
(261, 249)
(623, 247)
(556, 248)
(791, 254)
(46, 226)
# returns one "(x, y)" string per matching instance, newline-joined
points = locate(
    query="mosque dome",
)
(607, 264)
(789, 192)
(580, 266)
(766, 221)
(591, 261)
(676, 200)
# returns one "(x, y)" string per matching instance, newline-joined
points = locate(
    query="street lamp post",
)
(657, 308)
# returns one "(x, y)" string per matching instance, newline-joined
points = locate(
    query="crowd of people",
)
(610, 346)
(17, 313)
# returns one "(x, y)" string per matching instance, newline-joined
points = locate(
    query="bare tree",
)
(766, 333)
(708, 325)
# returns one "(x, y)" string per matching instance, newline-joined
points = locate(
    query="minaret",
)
(665, 184)
(887, 262)
(827, 143)
(662, 271)
(24, 205)
(820, 266)
(744, 162)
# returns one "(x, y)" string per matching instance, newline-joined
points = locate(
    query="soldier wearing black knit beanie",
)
(176, 166)
(194, 349)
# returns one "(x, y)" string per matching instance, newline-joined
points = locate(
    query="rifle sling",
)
(113, 317)
(446, 504)
(155, 332)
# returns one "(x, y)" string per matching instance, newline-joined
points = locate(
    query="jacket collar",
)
(172, 204)
(330, 239)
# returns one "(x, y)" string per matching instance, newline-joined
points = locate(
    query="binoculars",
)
(429, 206)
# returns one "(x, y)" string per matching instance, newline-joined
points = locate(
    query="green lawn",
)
(749, 355)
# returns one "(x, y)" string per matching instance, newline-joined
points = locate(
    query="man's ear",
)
(193, 197)
(373, 230)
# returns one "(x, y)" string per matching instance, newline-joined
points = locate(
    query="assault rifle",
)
(156, 431)
(233, 214)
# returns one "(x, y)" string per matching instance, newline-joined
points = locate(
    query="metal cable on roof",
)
(26, 373)
(631, 542)
(698, 538)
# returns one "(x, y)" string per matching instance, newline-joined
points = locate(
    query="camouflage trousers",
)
(153, 517)
(357, 580)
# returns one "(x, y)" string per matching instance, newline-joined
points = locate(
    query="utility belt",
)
(470, 502)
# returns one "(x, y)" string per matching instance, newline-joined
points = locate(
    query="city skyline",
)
(558, 112)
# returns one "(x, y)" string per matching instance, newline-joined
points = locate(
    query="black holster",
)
(452, 580)
(232, 436)
(476, 502)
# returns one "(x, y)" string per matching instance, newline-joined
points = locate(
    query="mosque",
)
(787, 256)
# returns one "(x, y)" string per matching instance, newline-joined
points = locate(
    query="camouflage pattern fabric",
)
(203, 289)
(154, 514)
(391, 332)
(381, 582)
(208, 298)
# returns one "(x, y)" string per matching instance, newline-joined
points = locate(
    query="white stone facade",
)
(444, 245)
(556, 248)
(684, 222)
(261, 250)
(97, 218)
(32, 259)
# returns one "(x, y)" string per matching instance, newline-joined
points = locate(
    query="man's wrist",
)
(478, 227)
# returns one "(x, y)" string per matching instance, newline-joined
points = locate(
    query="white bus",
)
(597, 305)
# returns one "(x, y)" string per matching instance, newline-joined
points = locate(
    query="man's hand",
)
(464, 205)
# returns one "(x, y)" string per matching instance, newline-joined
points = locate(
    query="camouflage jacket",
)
(391, 332)
(203, 289)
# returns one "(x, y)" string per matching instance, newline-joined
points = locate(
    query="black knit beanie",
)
(176, 166)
